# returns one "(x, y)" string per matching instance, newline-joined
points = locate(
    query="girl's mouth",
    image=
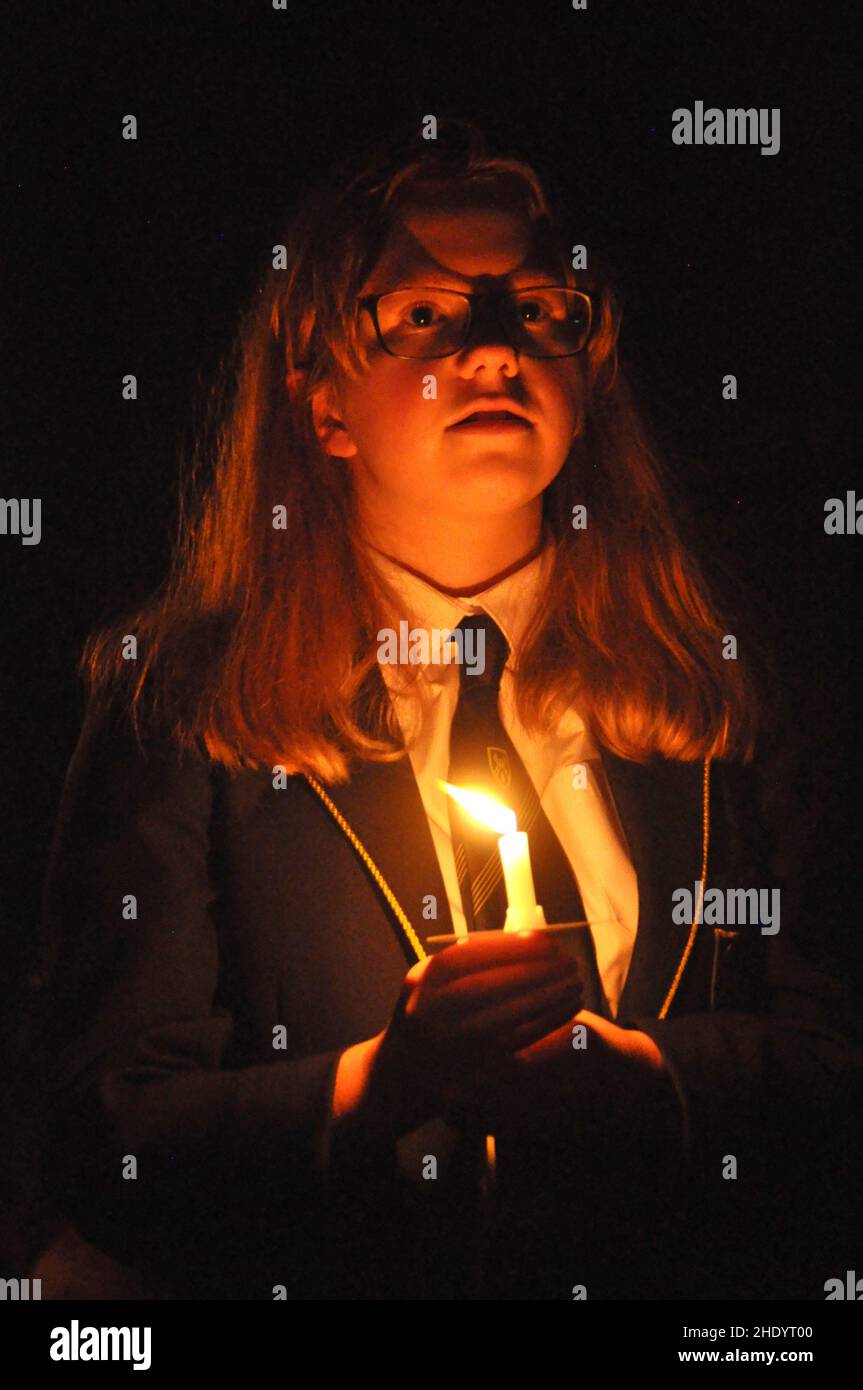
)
(492, 420)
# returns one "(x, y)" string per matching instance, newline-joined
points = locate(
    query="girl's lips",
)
(492, 420)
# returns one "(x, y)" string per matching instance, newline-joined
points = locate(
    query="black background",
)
(135, 257)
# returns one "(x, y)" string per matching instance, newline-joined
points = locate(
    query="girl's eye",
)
(530, 311)
(419, 315)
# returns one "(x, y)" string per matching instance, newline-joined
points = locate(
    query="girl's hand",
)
(461, 1014)
(588, 1069)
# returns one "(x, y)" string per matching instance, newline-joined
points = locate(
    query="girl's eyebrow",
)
(436, 279)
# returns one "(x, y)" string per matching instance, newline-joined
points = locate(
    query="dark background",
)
(136, 256)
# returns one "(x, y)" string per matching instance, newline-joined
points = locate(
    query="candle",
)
(523, 912)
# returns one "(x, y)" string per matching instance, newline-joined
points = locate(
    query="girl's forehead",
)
(457, 242)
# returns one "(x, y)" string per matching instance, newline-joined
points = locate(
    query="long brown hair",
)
(260, 647)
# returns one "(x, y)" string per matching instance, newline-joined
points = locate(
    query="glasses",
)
(542, 321)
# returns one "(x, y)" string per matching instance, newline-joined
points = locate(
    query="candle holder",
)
(533, 920)
(566, 933)
(570, 935)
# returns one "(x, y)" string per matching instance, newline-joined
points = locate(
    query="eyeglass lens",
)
(549, 322)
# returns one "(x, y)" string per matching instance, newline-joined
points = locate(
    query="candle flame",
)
(483, 808)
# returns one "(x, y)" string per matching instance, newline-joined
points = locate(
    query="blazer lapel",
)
(660, 808)
(383, 807)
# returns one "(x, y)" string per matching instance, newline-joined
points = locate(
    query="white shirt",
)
(584, 818)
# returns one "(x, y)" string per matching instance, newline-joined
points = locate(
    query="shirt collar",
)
(511, 602)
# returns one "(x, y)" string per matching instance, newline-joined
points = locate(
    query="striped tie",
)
(483, 758)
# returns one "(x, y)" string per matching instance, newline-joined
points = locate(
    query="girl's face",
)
(410, 464)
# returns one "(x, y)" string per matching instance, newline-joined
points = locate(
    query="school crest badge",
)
(498, 761)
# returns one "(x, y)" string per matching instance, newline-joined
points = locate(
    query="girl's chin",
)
(498, 485)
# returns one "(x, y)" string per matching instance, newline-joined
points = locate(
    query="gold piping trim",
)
(401, 915)
(414, 941)
(421, 953)
(696, 916)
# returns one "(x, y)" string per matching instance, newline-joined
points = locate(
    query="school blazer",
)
(192, 917)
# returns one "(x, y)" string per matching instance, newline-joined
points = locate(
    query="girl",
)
(265, 1082)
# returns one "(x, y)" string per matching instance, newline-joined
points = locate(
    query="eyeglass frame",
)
(370, 303)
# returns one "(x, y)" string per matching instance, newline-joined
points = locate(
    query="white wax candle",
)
(523, 912)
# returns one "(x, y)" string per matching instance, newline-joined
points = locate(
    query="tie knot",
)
(489, 648)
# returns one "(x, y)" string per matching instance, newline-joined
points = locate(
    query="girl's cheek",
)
(385, 391)
(576, 405)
